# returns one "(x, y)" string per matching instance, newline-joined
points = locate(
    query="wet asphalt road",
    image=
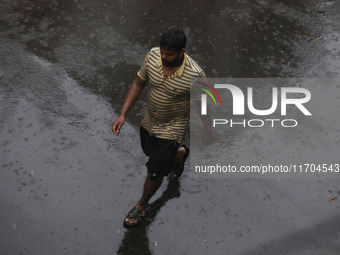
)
(67, 183)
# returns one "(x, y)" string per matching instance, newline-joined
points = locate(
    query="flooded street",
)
(67, 182)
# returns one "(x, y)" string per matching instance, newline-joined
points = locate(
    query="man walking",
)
(170, 73)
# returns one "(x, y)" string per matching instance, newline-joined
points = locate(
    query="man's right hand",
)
(135, 90)
(117, 124)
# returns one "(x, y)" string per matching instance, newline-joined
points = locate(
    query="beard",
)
(171, 64)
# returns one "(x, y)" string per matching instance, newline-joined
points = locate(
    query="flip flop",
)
(134, 213)
(178, 169)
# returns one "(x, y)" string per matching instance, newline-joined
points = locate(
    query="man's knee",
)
(155, 176)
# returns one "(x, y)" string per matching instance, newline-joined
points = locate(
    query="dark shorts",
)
(161, 153)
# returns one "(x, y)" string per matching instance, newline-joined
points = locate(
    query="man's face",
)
(171, 57)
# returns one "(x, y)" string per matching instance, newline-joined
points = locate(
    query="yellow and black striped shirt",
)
(168, 102)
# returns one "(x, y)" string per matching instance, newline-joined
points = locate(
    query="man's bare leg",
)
(180, 154)
(177, 169)
(150, 188)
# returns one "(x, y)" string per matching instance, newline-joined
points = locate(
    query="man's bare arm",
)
(134, 92)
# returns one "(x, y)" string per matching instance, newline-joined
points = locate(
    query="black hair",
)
(173, 39)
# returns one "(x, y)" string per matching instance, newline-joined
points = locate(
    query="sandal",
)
(179, 168)
(135, 214)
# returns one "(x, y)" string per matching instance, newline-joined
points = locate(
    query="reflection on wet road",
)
(67, 183)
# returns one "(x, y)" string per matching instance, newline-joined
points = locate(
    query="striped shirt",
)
(168, 102)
